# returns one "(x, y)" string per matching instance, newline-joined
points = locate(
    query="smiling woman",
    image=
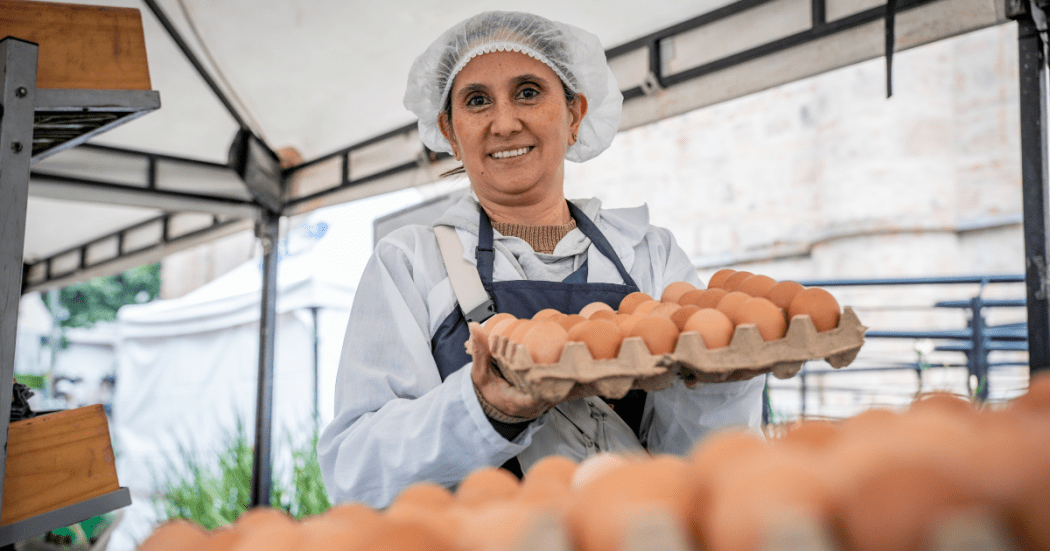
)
(511, 125)
(512, 96)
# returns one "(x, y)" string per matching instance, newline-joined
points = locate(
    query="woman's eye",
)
(475, 101)
(529, 93)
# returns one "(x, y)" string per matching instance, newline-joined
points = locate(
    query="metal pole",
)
(1033, 97)
(18, 60)
(978, 351)
(262, 478)
(317, 364)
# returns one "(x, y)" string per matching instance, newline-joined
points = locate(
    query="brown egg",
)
(680, 316)
(593, 307)
(597, 466)
(714, 327)
(545, 342)
(602, 337)
(400, 535)
(896, 506)
(765, 315)
(485, 486)
(675, 290)
(1036, 399)
(546, 314)
(497, 319)
(176, 535)
(813, 435)
(819, 305)
(659, 333)
(351, 514)
(646, 307)
(602, 510)
(782, 293)
(730, 305)
(710, 298)
(757, 285)
(270, 537)
(710, 458)
(604, 315)
(570, 320)
(554, 467)
(496, 527)
(752, 493)
(732, 283)
(719, 277)
(941, 401)
(690, 297)
(522, 329)
(547, 484)
(425, 495)
(628, 322)
(665, 309)
(223, 539)
(260, 516)
(504, 327)
(630, 301)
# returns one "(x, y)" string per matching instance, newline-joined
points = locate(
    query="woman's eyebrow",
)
(528, 78)
(471, 88)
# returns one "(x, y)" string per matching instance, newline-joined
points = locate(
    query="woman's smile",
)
(510, 153)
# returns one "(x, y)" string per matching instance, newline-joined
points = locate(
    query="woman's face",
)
(511, 126)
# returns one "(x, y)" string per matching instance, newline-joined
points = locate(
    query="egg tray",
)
(576, 373)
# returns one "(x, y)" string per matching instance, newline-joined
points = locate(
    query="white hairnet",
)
(575, 55)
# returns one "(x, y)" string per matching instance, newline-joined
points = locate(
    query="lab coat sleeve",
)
(678, 417)
(395, 421)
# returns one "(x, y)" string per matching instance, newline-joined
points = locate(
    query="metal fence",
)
(966, 335)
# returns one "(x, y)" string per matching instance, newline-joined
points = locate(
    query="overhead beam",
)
(68, 188)
(49, 273)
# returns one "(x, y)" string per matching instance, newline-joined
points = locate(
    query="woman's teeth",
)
(511, 153)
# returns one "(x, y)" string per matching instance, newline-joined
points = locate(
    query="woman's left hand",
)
(497, 391)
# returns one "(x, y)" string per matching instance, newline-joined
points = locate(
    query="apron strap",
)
(486, 254)
(600, 242)
(474, 301)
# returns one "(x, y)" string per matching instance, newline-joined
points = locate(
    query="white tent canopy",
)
(324, 76)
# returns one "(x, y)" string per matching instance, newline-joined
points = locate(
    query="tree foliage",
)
(84, 304)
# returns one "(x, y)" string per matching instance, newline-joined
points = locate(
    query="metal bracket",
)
(651, 85)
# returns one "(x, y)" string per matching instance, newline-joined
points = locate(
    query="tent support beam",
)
(1035, 189)
(162, 18)
(262, 473)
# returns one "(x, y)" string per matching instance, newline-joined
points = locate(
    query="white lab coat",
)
(397, 423)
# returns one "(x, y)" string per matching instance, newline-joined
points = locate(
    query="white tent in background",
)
(188, 367)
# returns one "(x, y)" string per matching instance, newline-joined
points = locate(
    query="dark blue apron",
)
(523, 298)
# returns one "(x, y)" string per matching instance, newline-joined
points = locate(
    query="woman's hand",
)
(497, 391)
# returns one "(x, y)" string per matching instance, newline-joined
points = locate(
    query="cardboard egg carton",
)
(577, 373)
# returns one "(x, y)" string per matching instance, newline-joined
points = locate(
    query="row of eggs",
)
(880, 481)
(731, 299)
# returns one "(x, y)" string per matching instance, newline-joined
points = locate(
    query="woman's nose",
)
(506, 120)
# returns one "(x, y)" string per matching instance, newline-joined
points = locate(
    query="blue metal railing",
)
(975, 341)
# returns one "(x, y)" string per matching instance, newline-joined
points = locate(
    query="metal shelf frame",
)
(18, 102)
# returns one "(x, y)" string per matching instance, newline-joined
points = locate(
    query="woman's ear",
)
(577, 110)
(446, 130)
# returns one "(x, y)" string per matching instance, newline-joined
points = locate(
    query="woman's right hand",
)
(497, 391)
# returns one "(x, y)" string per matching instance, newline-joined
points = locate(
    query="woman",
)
(511, 96)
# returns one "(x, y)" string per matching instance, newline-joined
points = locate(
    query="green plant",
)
(84, 304)
(215, 495)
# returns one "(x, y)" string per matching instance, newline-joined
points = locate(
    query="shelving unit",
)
(36, 123)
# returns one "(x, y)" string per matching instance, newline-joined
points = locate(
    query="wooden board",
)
(56, 460)
(86, 47)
